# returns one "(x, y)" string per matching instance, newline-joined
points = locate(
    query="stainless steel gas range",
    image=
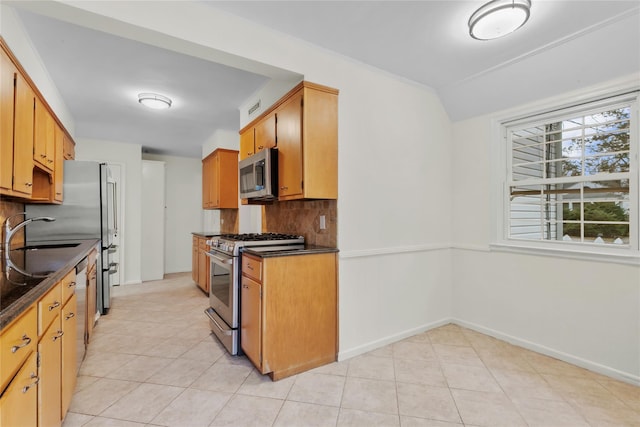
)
(224, 290)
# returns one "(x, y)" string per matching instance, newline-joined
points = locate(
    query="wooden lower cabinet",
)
(251, 320)
(200, 266)
(92, 289)
(289, 316)
(39, 359)
(195, 250)
(49, 373)
(69, 359)
(19, 402)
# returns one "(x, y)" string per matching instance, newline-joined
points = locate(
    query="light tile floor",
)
(152, 361)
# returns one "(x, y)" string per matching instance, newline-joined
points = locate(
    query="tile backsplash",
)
(303, 217)
(7, 209)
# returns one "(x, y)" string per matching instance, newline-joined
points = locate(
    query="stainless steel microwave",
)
(259, 175)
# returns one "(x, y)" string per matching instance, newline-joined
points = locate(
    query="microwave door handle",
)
(220, 259)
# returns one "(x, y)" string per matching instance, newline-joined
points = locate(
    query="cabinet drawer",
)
(68, 284)
(252, 267)
(18, 341)
(49, 307)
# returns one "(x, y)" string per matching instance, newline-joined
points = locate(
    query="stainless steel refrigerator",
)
(87, 212)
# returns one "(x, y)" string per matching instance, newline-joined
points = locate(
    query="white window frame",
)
(501, 152)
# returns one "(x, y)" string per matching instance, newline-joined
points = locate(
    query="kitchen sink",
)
(47, 246)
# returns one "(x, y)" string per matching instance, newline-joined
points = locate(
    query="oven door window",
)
(220, 283)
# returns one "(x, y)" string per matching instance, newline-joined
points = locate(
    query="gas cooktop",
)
(232, 243)
(257, 237)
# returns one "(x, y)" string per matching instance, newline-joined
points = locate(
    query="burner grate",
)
(256, 237)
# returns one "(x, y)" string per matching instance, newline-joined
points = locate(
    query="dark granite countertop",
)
(18, 292)
(205, 233)
(267, 252)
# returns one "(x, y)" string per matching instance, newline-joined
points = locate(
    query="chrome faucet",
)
(9, 232)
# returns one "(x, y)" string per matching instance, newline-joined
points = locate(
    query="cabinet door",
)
(265, 133)
(69, 149)
(203, 261)
(194, 260)
(214, 180)
(92, 284)
(290, 148)
(44, 136)
(69, 352)
(206, 182)
(58, 169)
(19, 403)
(23, 138)
(251, 320)
(50, 349)
(247, 147)
(7, 76)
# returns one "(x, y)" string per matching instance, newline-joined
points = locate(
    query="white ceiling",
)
(565, 44)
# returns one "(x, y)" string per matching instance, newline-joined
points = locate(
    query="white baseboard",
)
(574, 360)
(373, 345)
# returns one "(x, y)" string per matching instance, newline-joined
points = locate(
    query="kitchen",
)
(466, 280)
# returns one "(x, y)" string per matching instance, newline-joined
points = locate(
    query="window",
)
(572, 177)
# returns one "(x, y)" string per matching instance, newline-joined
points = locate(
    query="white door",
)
(153, 218)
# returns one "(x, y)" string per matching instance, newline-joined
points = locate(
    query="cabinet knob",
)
(54, 305)
(43, 156)
(28, 184)
(49, 161)
(260, 147)
(284, 188)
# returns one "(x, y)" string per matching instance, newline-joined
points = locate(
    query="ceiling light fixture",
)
(154, 100)
(498, 18)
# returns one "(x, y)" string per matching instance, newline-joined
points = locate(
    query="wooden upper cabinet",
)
(247, 146)
(265, 133)
(23, 137)
(44, 137)
(259, 136)
(7, 77)
(303, 126)
(29, 151)
(290, 148)
(58, 170)
(308, 143)
(68, 148)
(220, 180)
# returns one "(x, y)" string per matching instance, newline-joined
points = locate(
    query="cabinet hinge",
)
(260, 293)
(302, 184)
(38, 360)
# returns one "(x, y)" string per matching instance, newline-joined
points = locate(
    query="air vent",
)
(254, 107)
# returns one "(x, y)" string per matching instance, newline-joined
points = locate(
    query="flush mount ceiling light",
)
(154, 100)
(498, 18)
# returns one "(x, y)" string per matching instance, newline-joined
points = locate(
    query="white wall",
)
(183, 208)
(584, 312)
(129, 155)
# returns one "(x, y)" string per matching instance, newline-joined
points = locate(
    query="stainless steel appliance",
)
(259, 175)
(87, 212)
(224, 290)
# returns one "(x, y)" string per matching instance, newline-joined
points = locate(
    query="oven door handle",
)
(220, 259)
